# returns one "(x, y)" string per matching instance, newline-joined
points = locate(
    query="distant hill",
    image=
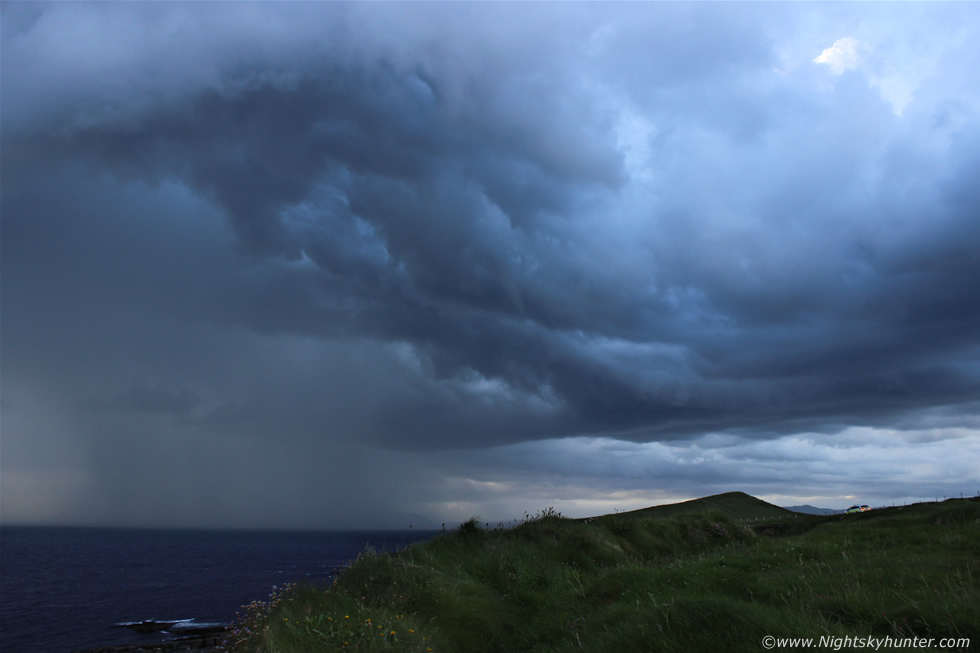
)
(812, 510)
(737, 504)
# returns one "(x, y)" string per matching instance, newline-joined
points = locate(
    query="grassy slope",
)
(735, 504)
(666, 579)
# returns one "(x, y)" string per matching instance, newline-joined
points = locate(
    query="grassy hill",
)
(669, 578)
(735, 504)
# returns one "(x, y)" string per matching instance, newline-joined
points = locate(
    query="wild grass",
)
(694, 581)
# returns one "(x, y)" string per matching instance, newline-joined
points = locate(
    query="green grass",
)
(664, 579)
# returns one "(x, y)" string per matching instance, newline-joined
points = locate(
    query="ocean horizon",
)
(69, 588)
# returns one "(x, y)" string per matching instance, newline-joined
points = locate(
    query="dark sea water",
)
(62, 589)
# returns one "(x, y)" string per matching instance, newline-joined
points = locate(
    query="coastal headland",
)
(726, 572)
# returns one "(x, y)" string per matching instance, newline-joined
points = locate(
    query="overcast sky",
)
(329, 265)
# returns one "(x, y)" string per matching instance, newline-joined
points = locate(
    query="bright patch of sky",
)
(896, 68)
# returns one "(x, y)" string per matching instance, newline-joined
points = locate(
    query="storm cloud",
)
(340, 264)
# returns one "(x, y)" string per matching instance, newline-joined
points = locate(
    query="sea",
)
(66, 589)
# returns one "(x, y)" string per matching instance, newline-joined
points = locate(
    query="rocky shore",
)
(203, 641)
(204, 644)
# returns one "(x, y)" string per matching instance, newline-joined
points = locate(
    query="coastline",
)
(208, 642)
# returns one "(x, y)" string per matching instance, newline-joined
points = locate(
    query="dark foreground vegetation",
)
(700, 578)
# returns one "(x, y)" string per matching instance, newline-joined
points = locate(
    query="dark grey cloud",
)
(142, 397)
(426, 229)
